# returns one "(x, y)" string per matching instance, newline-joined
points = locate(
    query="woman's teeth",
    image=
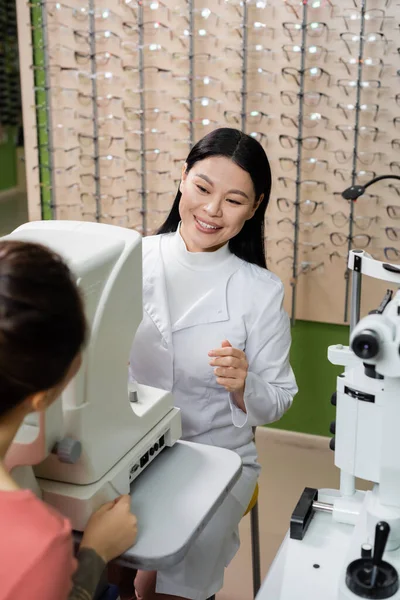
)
(206, 226)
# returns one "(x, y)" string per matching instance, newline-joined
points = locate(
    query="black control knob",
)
(332, 427)
(332, 444)
(373, 578)
(382, 530)
(333, 399)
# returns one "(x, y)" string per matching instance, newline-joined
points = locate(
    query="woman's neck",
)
(9, 426)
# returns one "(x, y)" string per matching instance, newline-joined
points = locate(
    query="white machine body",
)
(367, 445)
(97, 438)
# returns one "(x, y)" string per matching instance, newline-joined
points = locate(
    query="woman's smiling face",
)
(217, 199)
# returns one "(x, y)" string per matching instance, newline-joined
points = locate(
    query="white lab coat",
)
(246, 309)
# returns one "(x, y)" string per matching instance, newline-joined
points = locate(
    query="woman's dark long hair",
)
(42, 321)
(249, 155)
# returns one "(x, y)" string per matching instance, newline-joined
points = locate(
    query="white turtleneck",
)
(190, 276)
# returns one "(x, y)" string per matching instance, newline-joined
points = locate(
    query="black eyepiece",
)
(365, 344)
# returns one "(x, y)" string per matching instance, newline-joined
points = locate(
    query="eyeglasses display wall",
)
(123, 89)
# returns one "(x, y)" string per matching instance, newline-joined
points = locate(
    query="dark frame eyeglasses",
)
(313, 73)
(311, 142)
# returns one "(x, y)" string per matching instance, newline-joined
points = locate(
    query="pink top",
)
(36, 552)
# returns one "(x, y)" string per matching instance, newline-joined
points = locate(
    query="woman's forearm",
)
(238, 399)
(87, 576)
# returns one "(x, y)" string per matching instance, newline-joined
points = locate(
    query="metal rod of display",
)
(355, 151)
(255, 548)
(244, 67)
(191, 71)
(142, 117)
(96, 151)
(48, 106)
(298, 160)
(355, 299)
(323, 507)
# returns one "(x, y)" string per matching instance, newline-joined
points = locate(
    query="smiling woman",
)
(217, 197)
(206, 337)
(226, 183)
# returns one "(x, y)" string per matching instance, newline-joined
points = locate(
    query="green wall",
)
(312, 411)
(8, 161)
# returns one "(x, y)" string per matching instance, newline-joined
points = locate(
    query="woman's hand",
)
(111, 530)
(231, 368)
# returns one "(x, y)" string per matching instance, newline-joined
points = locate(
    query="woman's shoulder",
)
(34, 511)
(37, 548)
(151, 253)
(151, 243)
(260, 293)
(260, 278)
